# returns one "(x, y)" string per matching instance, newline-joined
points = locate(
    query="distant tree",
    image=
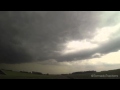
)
(33, 72)
(85, 72)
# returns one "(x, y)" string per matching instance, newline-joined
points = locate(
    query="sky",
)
(58, 42)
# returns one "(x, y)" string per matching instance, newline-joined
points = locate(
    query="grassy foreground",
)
(111, 74)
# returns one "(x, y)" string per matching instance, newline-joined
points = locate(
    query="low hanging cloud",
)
(30, 36)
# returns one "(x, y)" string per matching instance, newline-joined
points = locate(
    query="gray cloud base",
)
(27, 36)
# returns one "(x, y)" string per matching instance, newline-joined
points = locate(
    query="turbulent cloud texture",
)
(30, 36)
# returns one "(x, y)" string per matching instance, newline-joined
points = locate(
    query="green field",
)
(20, 75)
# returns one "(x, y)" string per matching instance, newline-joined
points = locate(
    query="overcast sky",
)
(59, 41)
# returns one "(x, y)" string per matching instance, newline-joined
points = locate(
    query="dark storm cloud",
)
(11, 49)
(30, 36)
(112, 46)
(58, 27)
